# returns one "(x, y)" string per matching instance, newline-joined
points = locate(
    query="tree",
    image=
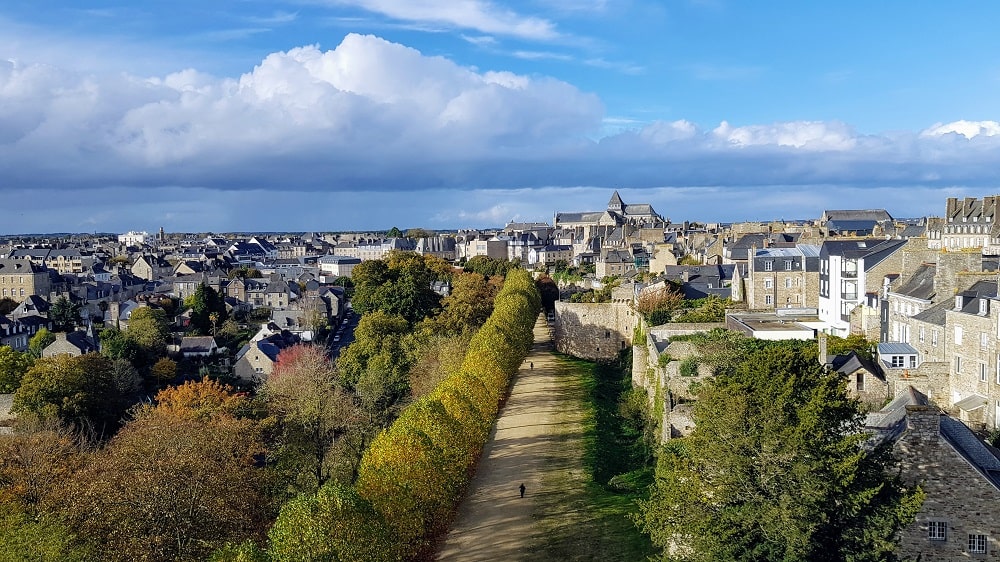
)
(13, 365)
(400, 285)
(489, 267)
(24, 536)
(203, 303)
(65, 314)
(775, 470)
(469, 304)
(42, 339)
(304, 391)
(164, 370)
(658, 305)
(172, 487)
(80, 391)
(418, 233)
(548, 290)
(394, 233)
(857, 343)
(35, 461)
(335, 523)
(148, 327)
(7, 305)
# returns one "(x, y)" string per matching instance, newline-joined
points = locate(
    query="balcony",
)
(851, 273)
(849, 296)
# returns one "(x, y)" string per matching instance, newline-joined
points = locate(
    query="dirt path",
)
(536, 441)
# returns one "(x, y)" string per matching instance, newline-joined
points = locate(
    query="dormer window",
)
(983, 307)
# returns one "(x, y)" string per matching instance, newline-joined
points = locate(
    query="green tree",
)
(776, 470)
(13, 365)
(400, 286)
(42, 339)
(394, 233)
(204, 302)
(7, 305)
(24, 536)
(857, 343)
(376, 366)
(489, 267)
(149, 328)
(65, 314)
(335, 523)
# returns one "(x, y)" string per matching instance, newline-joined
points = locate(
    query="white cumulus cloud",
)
(968, 129)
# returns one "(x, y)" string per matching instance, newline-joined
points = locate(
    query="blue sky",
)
(356, 114)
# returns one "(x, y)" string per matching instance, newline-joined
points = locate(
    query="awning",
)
(971, 403)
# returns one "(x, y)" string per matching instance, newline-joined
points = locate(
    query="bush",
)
(689, 367)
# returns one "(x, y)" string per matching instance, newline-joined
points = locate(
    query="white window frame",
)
(937, 530)
(978, 543)
(982, 372)
(769, 265)
(958, 335)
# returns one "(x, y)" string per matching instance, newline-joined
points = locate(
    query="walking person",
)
(522, 489)
(531, 365)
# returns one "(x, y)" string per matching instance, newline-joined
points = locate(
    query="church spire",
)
(616, 204)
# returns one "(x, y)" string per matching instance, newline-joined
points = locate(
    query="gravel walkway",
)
(536, 435)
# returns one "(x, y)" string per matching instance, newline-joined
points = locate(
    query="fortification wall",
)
(594, 331)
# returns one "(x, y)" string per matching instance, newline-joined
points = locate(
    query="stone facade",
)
(783, 278)
(595, 331)
(960, 501)
(20, 278)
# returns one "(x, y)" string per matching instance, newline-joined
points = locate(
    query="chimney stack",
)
(822, 348)
(923, 423)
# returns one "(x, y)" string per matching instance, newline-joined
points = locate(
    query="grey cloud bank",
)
(373, 133)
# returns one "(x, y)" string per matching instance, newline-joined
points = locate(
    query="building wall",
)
(787, 289)
(596, 331)
(956, 493)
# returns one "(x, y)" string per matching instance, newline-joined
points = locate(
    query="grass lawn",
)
(584, 519)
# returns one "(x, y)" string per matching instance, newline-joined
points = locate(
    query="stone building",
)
(783, 278)
(960, 477)
(969, 224)
(970, 338)
(21, 278)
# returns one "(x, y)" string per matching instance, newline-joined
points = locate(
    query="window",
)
(913, 361)
(788, 282)
(768, 283)
(921, 334)
(934, 338)
(984, 340)
(788, 265)
(982, 372)
(977, 544)
(937, 531)
(860, 381)
(958, 364)
(768, 299)
(958, 335)
(768, 265)
(897, 361)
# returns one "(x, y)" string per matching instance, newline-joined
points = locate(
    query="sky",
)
(328, 115)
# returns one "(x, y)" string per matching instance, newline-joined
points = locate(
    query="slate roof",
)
(860, 226)
(889, 423)
(971, 448)
(935, 314)
(857, 214)
(921, 284)
(197, 344)
(852, 362)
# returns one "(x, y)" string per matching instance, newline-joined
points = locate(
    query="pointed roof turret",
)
(616, 204)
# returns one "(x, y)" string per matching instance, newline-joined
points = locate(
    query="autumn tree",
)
(13, 365)
(435, 359)
(658, 305)
(35, 460)
(469, 304)
(776, 470)
(82, 392)
(305, 393)
(172, 486)
(164, 370)
(488, 267)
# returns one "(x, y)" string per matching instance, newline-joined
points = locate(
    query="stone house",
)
(151, 267)
(969, 224)
(21, 278)
(73, 343)
(865, 380)
(971, 341)
(914, 296)
(783, 278)
(959, 474)
(255, 361)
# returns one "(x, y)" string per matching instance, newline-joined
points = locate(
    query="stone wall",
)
(956, 494)
(931, 378)
(594, 331)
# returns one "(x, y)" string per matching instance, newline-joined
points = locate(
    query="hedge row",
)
(413, 474)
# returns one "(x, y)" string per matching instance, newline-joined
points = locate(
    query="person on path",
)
(522, 489)
(531, 365)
